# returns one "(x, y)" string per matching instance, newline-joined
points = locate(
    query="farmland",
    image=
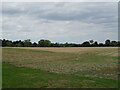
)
(60, 67)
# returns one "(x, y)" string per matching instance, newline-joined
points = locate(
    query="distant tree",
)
(71, 45)
(101, 44)
(0, 42)
(114, 43)
(52, 45)
(3, 42)
(44, 43)
(47, 43)
(107, 42)
(34, 44)
(14, 44)
(56, 44)
(27, 43)
(86, 44)
(9, 44)
(91, 41)
(66, 44)
(95, 43)
(119, 43)
(61, 45)
(19, 44)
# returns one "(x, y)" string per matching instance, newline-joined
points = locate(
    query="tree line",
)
(48, 43)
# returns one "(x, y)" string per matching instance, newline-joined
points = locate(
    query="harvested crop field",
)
(93, 62)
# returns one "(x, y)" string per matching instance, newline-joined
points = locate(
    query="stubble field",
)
(69, 66)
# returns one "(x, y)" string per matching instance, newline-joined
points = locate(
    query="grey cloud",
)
(66, 11)
(56, 21)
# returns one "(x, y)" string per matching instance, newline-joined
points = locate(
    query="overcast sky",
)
(60, 22)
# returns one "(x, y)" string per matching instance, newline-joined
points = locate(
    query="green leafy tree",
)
(19, 45)
(101, 44)
(27, 43)
(95, 43)
(34, 44)
(114, 43)
(9, 44)
(44, 43)
(107, 42)
(86, 43)
(66, 44)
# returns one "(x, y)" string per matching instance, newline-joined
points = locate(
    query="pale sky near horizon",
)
(73, 22)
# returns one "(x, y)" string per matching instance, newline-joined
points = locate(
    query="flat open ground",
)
(89, 62)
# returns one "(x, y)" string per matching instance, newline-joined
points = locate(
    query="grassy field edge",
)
(22, 77)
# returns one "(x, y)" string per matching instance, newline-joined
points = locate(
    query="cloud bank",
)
(72, 22)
